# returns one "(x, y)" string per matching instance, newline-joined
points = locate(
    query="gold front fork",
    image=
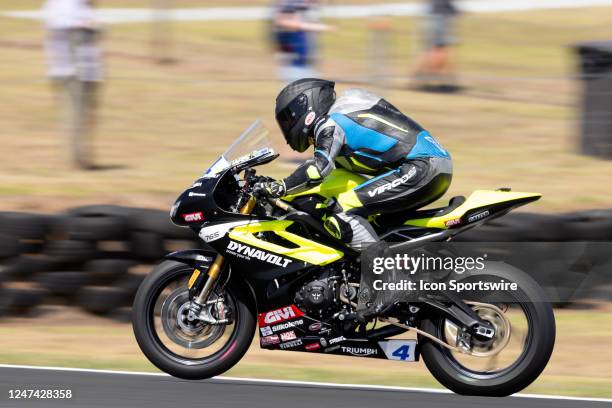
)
(217, 265)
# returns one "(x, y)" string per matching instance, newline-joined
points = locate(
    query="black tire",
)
(157, 221)
(9, 246)
(219, 362)
(100, 210)
(147, 246)
(61, 283)
(522, 372)
(130, 283)
(24, 266)
(107, 271)
(20, 301)
(102, 300)
(591, 231)
(70, 251)
(97, 227)
(24, 225)
(32, 247)
(518, 227)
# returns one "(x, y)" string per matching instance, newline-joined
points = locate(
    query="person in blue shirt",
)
(294, 26)
(363, 133)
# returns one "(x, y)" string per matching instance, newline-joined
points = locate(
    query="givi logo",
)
(193, 217)
(279, 315)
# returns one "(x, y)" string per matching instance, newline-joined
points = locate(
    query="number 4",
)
(402, 353)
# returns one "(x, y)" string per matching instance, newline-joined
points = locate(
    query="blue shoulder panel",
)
(358, 137)
(427, 146)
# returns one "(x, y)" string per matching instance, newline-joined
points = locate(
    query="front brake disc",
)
(190, 334)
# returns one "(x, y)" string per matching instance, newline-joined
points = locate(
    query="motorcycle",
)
(270, 263)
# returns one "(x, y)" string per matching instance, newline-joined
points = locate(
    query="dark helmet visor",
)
(291, 115)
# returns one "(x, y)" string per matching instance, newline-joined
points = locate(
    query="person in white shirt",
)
(76, 69)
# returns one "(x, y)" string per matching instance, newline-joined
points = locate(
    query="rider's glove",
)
(274, 189)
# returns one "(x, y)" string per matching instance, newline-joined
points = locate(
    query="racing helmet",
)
(299, 105)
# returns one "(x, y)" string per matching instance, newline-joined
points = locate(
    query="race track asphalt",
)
(100, 389)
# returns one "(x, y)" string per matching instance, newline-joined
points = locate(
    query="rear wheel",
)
(523, 342)
(190, 349)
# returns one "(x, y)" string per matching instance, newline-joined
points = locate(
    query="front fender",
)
(196, 258)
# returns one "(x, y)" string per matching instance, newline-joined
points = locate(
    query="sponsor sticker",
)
(455, 221)
(400, 350)
(269, 340)
(315, 327)
(287, 325)
(324, 332)
(393, 184)
(290, 335)
(337, 340)
(247, 252)
(265, 331)
(218, 231)
(312, 346)
(478, 216)
(291, 344)
(279, 315)
(193, 217)
(310, 118)
(359, 351)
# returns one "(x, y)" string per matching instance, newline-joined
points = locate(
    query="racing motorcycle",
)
(270, 265)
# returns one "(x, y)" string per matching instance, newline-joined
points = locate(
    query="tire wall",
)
(95, 257)
(92, 257)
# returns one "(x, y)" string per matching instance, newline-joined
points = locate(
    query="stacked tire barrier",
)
(569, 255)
(95, 257)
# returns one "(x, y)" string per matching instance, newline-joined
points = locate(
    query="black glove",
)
(274, 189)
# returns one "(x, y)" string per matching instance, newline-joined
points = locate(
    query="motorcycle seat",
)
(439, 211)
(398, 218)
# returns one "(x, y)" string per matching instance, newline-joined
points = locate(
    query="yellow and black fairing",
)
(482, 205)
(337, 189)
(269, 253)
(276, 257)
(479, 207)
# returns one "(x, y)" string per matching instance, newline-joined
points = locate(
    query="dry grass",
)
(161, 125)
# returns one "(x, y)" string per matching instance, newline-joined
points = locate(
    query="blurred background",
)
(109, 109)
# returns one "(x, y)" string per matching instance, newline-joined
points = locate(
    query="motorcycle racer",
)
(363, 133)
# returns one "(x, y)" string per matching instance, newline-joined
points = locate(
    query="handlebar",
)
(252, 179)
(280, 204)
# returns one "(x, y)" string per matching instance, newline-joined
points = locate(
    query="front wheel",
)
(190, 349)
(523, 342)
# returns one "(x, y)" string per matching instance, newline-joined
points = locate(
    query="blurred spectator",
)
(75, 69)
(435, 69)
(380, 49)
(162, 32)
(294, 24)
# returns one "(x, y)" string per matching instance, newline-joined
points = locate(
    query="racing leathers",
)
(364, 133)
